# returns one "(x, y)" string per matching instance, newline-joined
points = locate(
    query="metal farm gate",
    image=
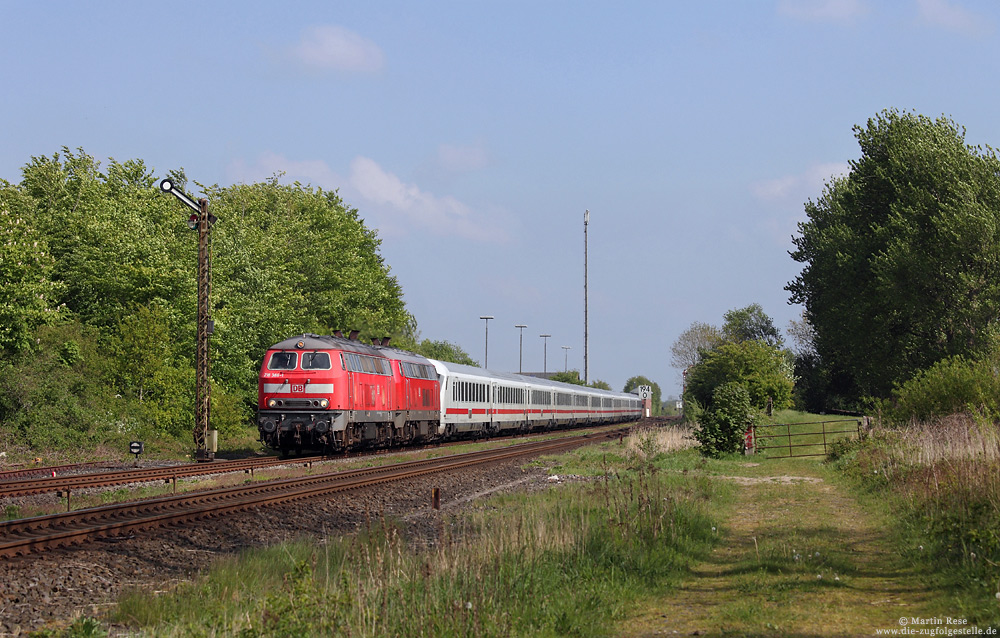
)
(812, 438)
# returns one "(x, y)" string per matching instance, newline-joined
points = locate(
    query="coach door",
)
(491, 406)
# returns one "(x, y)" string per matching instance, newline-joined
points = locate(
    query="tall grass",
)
(943, 478)
(564, 561)
(646, 443)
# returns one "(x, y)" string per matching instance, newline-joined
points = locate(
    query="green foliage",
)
(721, 427)
(600, 385)
(948, 387)
(751, 324)
(110, 257)
(157, 387)
(765, 372)
(46, 401)
(29, 298)
(699, 338)
(82, 627)
(442, 351)
(901, 258)
(570, 376)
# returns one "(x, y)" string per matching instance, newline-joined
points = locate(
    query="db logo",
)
(298, 387)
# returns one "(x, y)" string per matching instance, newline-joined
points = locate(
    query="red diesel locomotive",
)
(321, 392)
(335, 393)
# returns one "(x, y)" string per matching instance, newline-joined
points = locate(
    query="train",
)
(337, 393)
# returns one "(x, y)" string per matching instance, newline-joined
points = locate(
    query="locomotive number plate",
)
(298, 387)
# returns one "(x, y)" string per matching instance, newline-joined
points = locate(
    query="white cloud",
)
(823, 10)
(386, 201)
(331, 47)
(268, 164)
(784, 198)
(952, 17)
(796, 189)
(414, 207)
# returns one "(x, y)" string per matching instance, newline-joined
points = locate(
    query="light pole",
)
(486, 358)
(566, 350)
(202, 222)
(545, 364)
(520, 353)
(586, 336)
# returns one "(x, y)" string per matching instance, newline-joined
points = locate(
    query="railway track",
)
(24, 536)
(14, 482)
(26, 487)
(46, 470)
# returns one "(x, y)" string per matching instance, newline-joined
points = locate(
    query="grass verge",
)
(572, 560)
(940, 482)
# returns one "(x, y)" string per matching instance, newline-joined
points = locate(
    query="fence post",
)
(824, 437)
(788, 429)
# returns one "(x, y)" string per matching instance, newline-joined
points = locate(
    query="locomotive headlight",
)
(271, 403)
(324, 403)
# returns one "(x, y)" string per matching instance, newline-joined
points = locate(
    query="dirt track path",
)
(799, 557)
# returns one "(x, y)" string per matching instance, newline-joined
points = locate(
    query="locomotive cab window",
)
(316, 361)
(282, 361)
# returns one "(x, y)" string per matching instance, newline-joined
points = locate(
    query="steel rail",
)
(26, 487)
(37, 470)
(24, 536)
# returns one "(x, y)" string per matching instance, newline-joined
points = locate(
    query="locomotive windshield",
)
(315, 360)
(282, 361)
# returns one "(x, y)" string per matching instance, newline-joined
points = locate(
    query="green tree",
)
(29, 298)
(570, 376)
(148, 378)
(763, 370)
(108, 253)
(751, 324)
(901, 258)
(600, 385)
(444, 351)
(692, 343)
(636, 381)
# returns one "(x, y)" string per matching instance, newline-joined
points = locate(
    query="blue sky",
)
(473, 135)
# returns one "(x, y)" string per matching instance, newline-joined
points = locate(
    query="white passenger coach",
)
(478, 401)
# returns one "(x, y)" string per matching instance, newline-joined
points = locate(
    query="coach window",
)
(282, 361)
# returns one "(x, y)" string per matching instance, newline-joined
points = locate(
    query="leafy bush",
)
(723, 424)
(763, 370)
(949, 386)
